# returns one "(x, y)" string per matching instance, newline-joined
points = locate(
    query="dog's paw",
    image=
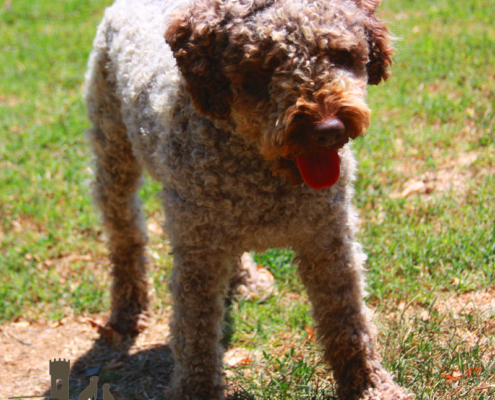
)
(388, 392)
(129, 324)
(252, 282)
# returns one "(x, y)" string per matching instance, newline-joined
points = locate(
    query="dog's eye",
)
(298, 117)
(342, 58)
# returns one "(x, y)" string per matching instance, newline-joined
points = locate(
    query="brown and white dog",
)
(243, 112)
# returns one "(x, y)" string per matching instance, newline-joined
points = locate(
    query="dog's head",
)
(291, 73)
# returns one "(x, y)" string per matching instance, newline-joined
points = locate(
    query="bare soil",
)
(138, 370)
(141, 369)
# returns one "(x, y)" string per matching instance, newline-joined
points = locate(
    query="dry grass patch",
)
(448, 342)
(452, 175)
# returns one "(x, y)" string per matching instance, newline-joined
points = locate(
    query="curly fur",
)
(218, 115)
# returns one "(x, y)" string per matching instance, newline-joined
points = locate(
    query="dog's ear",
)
(368, 5)
(198, 41)
(379, 42)
(380, 50)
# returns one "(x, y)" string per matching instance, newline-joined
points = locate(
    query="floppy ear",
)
(380, 50)
(368, 5)
(197, 40)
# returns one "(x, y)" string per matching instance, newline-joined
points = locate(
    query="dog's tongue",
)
(320, 170)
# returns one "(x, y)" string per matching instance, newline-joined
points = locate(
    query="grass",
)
(433, 127)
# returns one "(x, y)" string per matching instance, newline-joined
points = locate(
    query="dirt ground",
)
(137, 369)
(141, 370)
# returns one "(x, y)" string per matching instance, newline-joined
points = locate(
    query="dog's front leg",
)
(199, 283)
(331, 268)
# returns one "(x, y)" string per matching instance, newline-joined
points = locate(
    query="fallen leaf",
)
(449, 377)
(105, 332)
(21, 324)
(470, 371)
(114, 365)
(311, 332)
(56, 324)
(93, 371)
(453, 376)
(94, 323)
(238, 357)
(412, 187)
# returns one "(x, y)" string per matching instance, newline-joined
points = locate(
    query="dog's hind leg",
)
(118, 179)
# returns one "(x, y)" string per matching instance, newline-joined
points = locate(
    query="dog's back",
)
(138, 69)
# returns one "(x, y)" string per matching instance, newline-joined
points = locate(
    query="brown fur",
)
(255, 83)
(219, 64)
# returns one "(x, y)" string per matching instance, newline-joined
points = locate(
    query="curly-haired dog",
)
(242, 112)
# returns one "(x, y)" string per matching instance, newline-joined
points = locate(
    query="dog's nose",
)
(328, 132)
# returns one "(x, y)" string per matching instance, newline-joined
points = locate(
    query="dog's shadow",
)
(130, 372)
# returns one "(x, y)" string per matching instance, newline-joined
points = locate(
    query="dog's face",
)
(291, 73)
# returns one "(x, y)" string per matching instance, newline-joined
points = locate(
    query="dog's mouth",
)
(320, 170)
(318, 159)
(317, 170)
(310, 153)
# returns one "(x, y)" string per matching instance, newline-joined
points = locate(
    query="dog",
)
(91, 392)
(243, 110)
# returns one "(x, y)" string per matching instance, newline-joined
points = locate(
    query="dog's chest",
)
(222, 177)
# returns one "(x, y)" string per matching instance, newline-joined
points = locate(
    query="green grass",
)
(289, 377)
(439, 106)
(433, 122)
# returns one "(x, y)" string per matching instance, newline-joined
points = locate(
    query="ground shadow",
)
(131, 375)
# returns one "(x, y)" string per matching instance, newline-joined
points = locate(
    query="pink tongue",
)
(320, 170)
